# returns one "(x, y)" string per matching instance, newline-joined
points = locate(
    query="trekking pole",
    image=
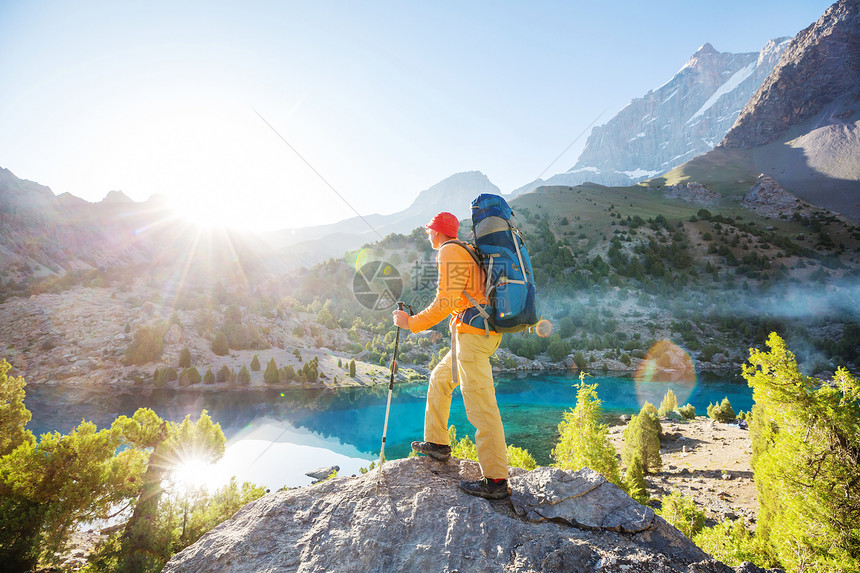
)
(388, 405)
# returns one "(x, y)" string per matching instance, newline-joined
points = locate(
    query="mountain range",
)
(685, 117)
(310, 245)
(790, 110)
(802, 126)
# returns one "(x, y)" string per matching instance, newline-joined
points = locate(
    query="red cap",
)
(445, 223)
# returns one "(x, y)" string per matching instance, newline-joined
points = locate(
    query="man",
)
(459, 278)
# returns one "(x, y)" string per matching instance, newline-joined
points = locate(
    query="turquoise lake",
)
(275, 436)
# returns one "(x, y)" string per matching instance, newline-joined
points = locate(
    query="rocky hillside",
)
(685, 117)
(820, 68)
(42, 235)
(418, 520)
(802, 127)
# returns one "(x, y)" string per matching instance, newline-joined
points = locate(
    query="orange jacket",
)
(457, 272)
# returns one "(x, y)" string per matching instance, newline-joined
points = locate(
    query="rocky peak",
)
(818, 73)
(703, 57)
(419, 520)
(454, 194)
(683, 118)
(117, 197)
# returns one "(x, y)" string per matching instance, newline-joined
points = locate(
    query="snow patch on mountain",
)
(736, 80)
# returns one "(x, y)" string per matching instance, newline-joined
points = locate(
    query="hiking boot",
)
(435, 451)
(487, 488)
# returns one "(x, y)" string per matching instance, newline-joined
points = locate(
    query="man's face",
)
(435, 238)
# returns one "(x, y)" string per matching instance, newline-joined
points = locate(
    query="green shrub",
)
(688, 411)
(244, 377)
(732, 543)
(219, 344)
(579, 360)
(520, 458)
(805, 436)
(189, 376)
(723, 413)
(255, 364)
(634, 481)
(583, 438)
(682, 513)
(668, 405)
(147, 346)
(465, 449)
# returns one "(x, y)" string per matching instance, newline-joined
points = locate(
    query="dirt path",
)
(707, 461)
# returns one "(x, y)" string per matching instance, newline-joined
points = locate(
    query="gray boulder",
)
(419, 520)
(322, 473)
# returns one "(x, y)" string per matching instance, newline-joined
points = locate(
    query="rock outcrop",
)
(693, 193)
(418, 520)
(768, 199)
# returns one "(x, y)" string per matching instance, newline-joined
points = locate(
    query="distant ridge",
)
(311, 245)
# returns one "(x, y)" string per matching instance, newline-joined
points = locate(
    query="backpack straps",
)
(475, 304)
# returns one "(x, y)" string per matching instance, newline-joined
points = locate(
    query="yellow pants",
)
(479, 397)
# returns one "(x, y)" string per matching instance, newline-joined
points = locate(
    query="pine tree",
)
(244, 377)
(185, 358)
(634, 481)
(14, 415)
(668, 405)
(642, 441)
(209, 377)
(255, 364)
(352, 368)
(47, 487)
(271, 375)
(806, 461)
(167, 444)
(189, 376)
(219, 344)
(583, 439)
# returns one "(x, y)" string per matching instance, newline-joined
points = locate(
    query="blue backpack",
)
(500, 250)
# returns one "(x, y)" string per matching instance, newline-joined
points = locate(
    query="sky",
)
(286, 114)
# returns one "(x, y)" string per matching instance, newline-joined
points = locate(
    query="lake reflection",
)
(275, 436)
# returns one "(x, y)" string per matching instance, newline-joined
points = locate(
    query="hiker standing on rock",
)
(460, 285)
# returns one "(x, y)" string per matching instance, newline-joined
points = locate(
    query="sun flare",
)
(195, 473)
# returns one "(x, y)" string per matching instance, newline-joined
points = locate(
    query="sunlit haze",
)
(383, 99)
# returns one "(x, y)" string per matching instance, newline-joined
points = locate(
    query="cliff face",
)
(820, 69)
(419, 520)
(685, 117)
(802, 127)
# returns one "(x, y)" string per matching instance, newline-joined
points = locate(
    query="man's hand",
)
(401, 319)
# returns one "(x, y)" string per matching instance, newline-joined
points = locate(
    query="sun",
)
(206, 214)
(195, 473)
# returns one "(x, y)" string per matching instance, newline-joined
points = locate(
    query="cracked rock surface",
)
(419, 520)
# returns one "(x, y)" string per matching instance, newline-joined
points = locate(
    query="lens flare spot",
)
(666, 366)
(362, 258)
(543, 328)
